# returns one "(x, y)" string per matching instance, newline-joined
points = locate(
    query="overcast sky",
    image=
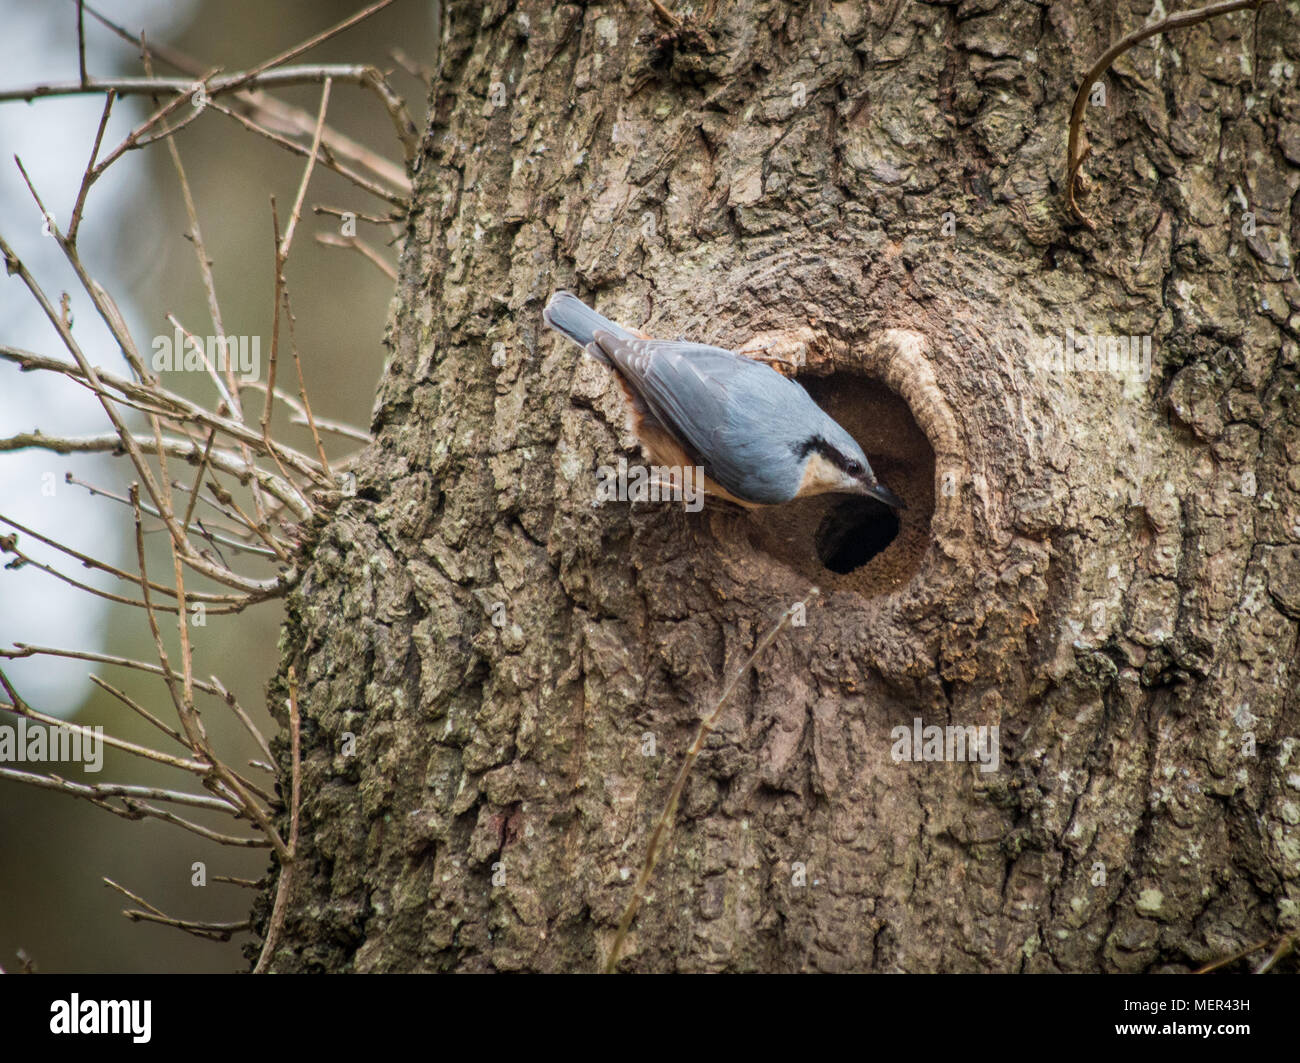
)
(53, 138)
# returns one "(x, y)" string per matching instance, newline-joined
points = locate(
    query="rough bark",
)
(1107, 568)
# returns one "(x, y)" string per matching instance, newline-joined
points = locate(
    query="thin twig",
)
(198, 482)
(299, 415)
(1283, 947)
(81, 42)
(359, 245)
(185, 449)
(287, 241)
(417, 70)
(285, 77)
(388, 195)
(243, 717)
(19, 707)
(23, 649)
(302, 386)
(343, 215)
(1242, 954)
(670, 809)
(195, 344)
(9, 545)
(231, 392)
(138, 137)
(137, 708)
(87, 178)
(285, 883)
(211, 537)
(246, 883)
(109, 789)
(312, 42)
(157, 494)
(135, 810)
(183, 696)
(153, 914)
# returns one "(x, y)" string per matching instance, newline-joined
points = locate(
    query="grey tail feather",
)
(568, 314)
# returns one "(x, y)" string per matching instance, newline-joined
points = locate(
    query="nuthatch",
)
(758, 435)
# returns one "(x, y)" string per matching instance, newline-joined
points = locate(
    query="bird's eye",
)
(853, 468)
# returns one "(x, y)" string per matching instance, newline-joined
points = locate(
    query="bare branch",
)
(151, 914)
(363, 183)
(276, 114)
(23, 649)
(9, 545)
(349, 73)
(18, 707)
(81, 41)
(302, 386)
(216, 572)
(106, 790)
(137, 708)
(178, 409)
(356, 244)
(299, 415)
(283, 252)
(198, 482)
(242, 716)
(246, 883)
(133, 808)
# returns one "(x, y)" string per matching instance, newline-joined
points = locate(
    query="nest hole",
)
(846, 542)
(854, 532)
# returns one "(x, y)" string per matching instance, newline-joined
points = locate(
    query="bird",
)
(759, 437)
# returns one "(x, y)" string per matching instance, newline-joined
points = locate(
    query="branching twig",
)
(276, 114)
(108, 789)
(156, 493)
(218, 442)
(209, 931)
(19, 707)
(87, 178)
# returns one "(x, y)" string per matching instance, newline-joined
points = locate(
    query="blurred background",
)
(55, 850)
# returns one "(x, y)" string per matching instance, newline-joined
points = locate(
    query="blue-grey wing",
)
(731, 411)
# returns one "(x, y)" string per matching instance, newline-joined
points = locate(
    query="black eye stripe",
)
(819, 445)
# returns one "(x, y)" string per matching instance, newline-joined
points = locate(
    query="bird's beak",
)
(881, 493)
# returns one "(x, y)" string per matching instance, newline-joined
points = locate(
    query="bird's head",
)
(834, 462)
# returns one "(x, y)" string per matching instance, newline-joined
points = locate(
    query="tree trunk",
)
(499, 680)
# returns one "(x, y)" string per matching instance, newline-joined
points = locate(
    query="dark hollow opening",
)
(848, 542)
(854, 532)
